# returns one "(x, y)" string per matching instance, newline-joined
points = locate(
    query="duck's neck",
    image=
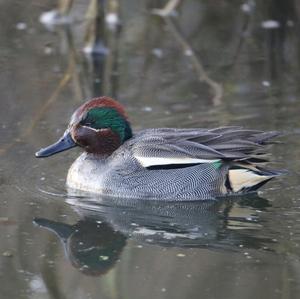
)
(106, 143)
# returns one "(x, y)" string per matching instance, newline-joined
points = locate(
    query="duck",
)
(171, 164)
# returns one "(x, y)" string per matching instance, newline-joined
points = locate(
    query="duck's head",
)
(99, 126)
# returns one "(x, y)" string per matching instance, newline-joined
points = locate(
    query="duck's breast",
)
(87, 173)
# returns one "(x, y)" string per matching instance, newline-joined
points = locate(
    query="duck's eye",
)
(87, 122)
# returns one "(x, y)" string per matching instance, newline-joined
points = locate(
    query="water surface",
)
(59, 246)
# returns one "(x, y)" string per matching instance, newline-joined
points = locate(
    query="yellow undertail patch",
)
(244, 178)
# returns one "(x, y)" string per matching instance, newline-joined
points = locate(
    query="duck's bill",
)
(63, 230)
(64, 143)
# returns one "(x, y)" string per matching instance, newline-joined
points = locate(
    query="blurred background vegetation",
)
(201, 50)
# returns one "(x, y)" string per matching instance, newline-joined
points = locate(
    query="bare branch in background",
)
(40, 112)
(168, 9)
(187, 49)
(101, 45)
(90, 16)
(65, 6)
(242, 37)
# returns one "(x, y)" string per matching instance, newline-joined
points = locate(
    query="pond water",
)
(58, 246)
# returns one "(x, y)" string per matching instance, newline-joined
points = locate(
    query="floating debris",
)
(53, 18)
(188, 52)
(181, 255)
(112, 21)
(266, 83)
(7, 253)
(248, 6)
(48, 50)
(37, 285)
(147, 109)
(103, 257)
(163, 290)
(98, 49)
(270, 24)
(157, 52)
(21, 26)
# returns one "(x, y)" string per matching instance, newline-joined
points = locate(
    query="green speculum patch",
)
(217, 164)
(106, 117)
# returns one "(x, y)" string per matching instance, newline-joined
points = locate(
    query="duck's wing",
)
(167, 146)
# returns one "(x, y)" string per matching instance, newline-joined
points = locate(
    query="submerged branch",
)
(65, 6)
(202, 75)
(168, 9)
(65, 79)
(63, 82)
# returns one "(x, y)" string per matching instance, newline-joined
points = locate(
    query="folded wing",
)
(175, 147)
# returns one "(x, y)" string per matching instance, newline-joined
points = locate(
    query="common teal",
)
(164, 163)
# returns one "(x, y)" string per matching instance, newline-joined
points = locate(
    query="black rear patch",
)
(171, 166)
(255, 187)
(227, 184)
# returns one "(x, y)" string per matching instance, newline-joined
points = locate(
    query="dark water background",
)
(240, 248)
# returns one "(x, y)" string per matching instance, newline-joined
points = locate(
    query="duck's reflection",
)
(92, 246)
(95, 242)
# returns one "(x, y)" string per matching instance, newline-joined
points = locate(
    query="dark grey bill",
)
(64, 231)
(63, 144)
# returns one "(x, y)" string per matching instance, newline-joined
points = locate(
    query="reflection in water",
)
(92, 246)
(95, 242)
(101, 49)
(284, 13)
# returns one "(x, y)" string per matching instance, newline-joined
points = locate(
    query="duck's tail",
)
(247, 178)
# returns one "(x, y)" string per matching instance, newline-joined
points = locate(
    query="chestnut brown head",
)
(99, 126)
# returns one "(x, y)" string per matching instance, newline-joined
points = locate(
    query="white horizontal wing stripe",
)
(153, 161)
